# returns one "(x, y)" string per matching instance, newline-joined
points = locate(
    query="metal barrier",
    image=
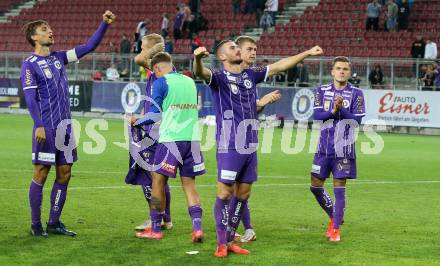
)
(403, 74)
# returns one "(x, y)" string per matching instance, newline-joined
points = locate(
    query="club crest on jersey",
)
(47, 73)
(234, 88)
(326, 105)
(248, 84)
(57, 64)
(346, 103)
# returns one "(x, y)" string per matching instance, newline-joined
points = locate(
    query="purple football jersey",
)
(48, 76)
(337, 138)
(234, 97)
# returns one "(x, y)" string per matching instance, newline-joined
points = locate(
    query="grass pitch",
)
(392, 215)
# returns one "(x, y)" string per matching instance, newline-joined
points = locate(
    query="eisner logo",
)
(402, 105)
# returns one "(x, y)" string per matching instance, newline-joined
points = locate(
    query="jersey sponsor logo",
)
(248, 84)
(57, 64)
(170, 168)
(199, 167)
(28, 77)
(228, 175)
(131, 97)
(231, 78)
(47, 73)
(329, 93)
(302, 104)
(42, 63)
(316, 169)
(346, 103)
(46, 157)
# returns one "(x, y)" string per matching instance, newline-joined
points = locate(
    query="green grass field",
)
(392, 215)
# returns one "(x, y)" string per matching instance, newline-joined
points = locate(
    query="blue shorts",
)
(339, 167)
(235, 167)
(183, 155)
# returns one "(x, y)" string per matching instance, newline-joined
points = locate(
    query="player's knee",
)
(317, 182)
(40, 173)
(64, 177)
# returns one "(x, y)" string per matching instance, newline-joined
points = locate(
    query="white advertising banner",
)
(403, 108)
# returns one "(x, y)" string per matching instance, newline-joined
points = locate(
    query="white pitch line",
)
(255, 185)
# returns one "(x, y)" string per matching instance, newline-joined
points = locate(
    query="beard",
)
(237, 61)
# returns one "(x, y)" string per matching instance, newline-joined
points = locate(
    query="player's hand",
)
(270, 98)
(131, 120)
(201, 52)
(157, 48)
(108, 17)
(40, 134)
(315, 51)
(337, 104)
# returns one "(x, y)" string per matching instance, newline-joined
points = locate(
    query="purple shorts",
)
(339, 167)
(46, 152)
(183, 155)
(235, 167)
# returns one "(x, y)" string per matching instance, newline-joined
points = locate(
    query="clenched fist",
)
(108, 17)
(201, 52)
(316, 51)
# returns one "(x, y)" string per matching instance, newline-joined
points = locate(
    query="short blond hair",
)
(243, 39)
(152, 39)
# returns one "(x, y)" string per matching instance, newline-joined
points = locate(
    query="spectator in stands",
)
(194, 6)
(430, 50)
(112, 73)
(403, 15)
(355, 79)
(249, 7)
(392, 12)
(429, 78)
(169, 45)
(260, 6)
(376, 77)
(417, 52)
(236, 7)
(164, 25)
(266, 21)
(196, 42)
(373, 13)
(97, 75)
(298, 75)
(125, 74)
(272, 7)
(112, 49)
(141, 31)
(187, 19)
(178, 22)
(125, 49)
(436, 67)
(193, 28)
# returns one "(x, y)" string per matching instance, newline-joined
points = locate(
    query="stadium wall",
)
(414, 112)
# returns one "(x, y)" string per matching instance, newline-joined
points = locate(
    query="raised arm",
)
(144, 57)
(79, 51)
(198, 68)
(289, 62)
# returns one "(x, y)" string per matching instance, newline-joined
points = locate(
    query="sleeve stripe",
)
(71, 56)
(360, 114)
(267, 73)
(30, 87)
(210, 78)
